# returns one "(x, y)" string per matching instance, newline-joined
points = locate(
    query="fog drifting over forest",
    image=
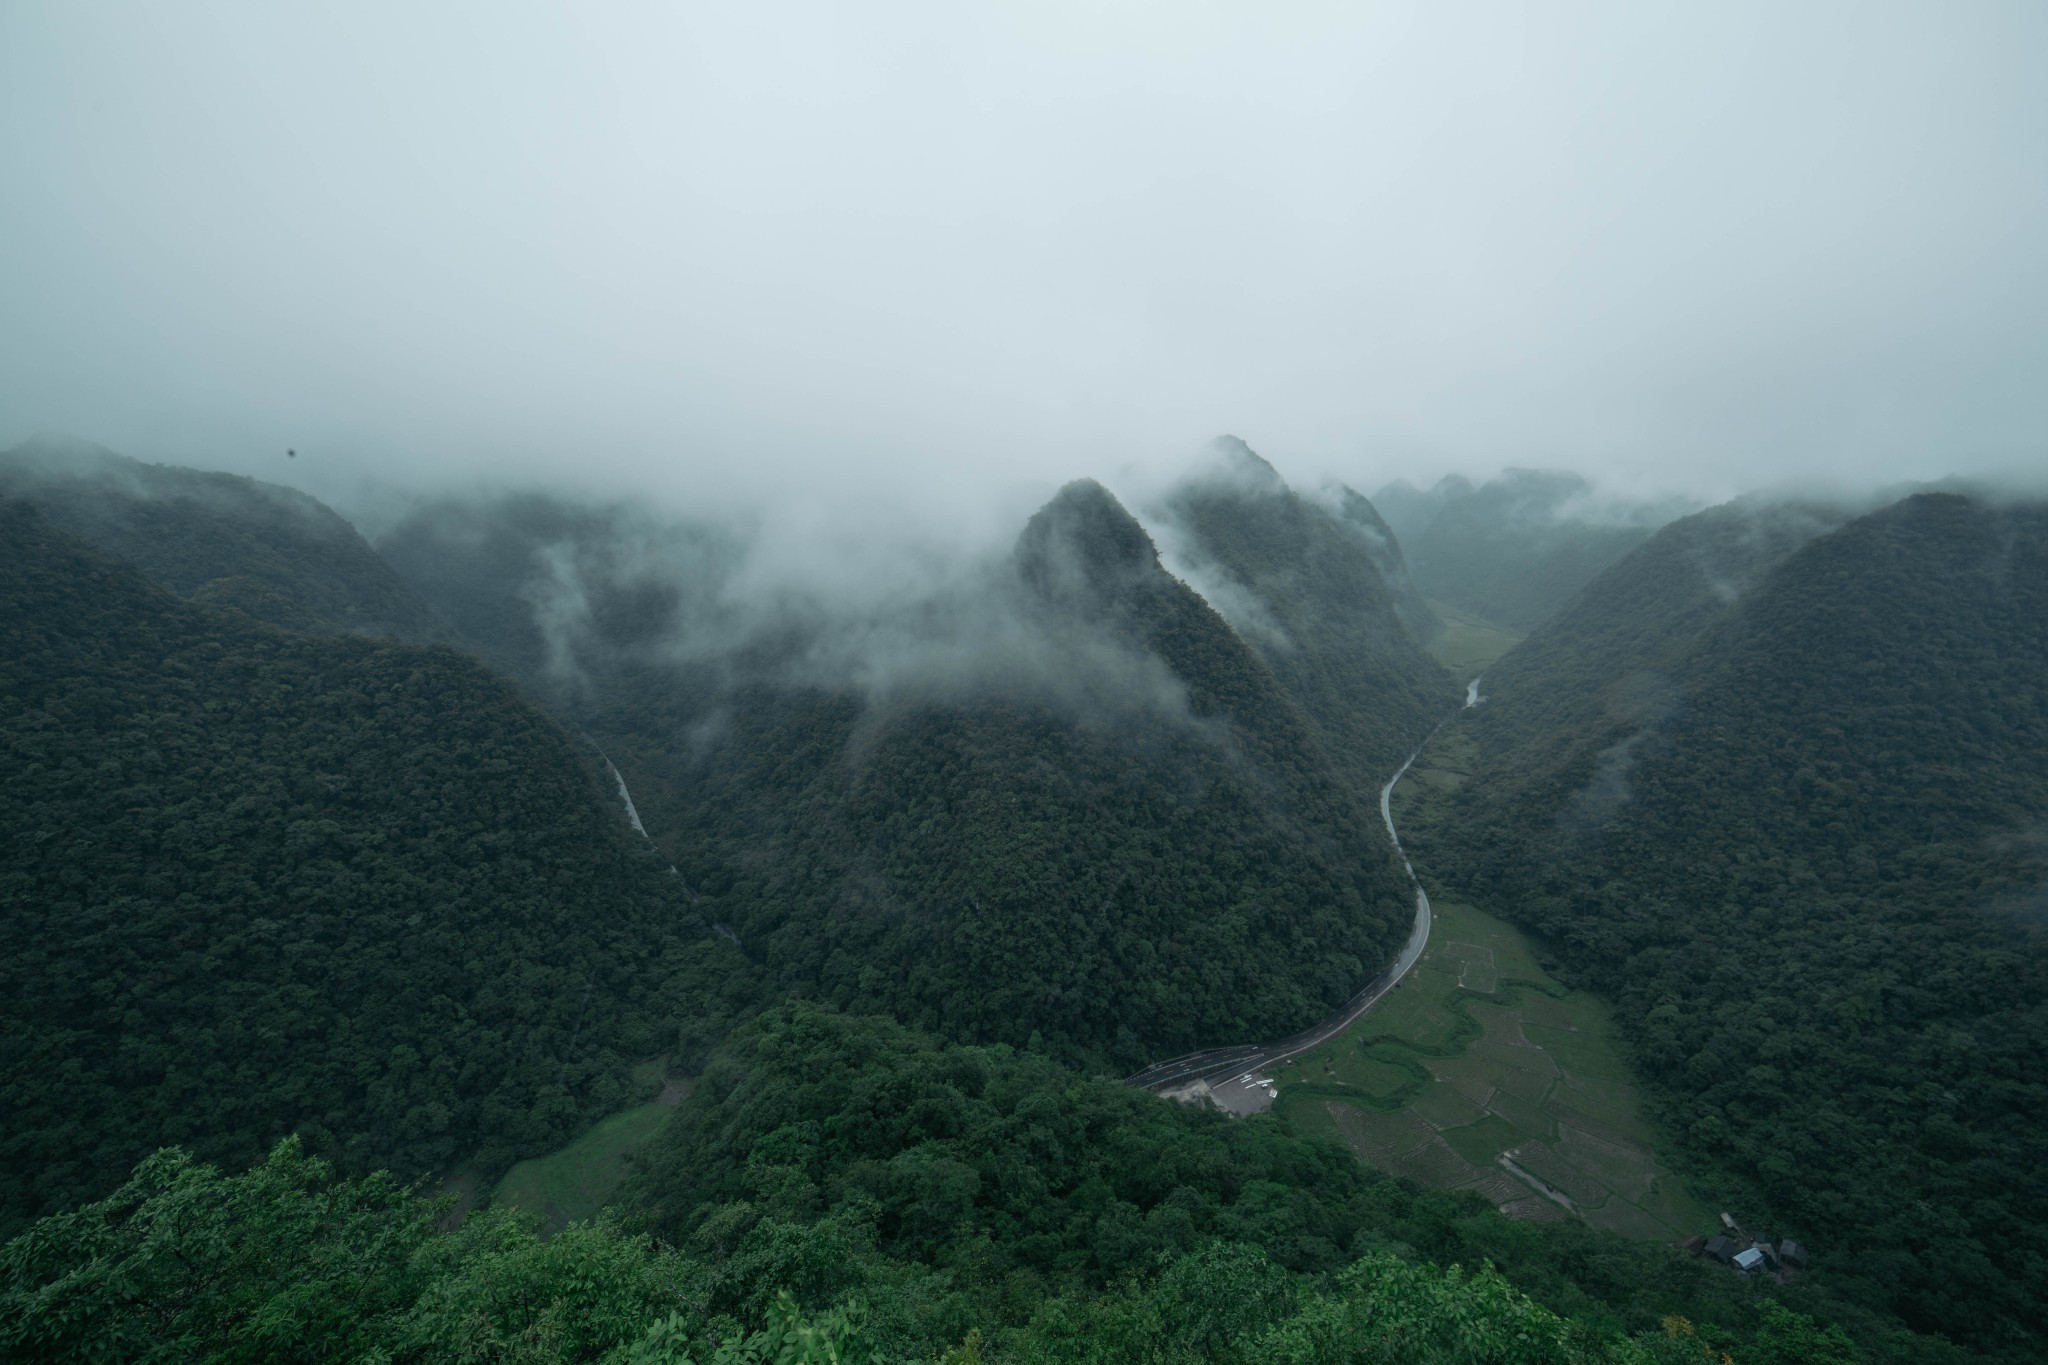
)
(941, 258)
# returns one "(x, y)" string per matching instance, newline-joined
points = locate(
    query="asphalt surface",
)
(1231, 1075)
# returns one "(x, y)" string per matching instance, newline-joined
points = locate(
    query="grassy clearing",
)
(1480, 1054)
(572, 1184)
(1459, 1067)
(1469, 645)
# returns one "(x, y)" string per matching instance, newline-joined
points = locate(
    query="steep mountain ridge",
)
(1617, 657)
(1800, 847)
(1067, 799)
(1306, 589)
(1353, 508)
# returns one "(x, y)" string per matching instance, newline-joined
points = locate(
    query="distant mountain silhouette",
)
(228, 541)
(1514, 549)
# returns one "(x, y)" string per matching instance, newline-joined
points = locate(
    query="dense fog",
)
(926, 263)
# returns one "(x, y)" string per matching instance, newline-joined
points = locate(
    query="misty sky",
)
(958, 253)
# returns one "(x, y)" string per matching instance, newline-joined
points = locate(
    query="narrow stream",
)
(631, 812)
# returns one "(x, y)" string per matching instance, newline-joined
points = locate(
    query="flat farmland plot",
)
(1479, 1055)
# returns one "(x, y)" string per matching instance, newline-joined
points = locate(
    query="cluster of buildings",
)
(1740, 1250)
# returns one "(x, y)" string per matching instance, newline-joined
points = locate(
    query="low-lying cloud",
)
(929, 261)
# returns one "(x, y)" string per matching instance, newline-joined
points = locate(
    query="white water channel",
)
(632, 813)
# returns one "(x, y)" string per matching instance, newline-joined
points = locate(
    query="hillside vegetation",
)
(842, 1190)
(1777, 789)
(220, 539)
(1059, 797)
(362, 896)
(1313, 590)
(1514, 549)
(257, 882)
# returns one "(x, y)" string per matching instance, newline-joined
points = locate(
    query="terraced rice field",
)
(1482, 1072)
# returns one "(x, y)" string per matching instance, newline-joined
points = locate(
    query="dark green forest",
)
(842, 1189)
(1777, 789)
(258, 882)
(297, 894)
(220, 539)
(1325, 614)
(1118, 831)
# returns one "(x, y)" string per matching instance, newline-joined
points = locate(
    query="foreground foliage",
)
(287, 1262)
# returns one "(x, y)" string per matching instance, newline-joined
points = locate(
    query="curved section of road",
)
(1215, 1064)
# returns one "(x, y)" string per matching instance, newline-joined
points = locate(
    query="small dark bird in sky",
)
(291, 454)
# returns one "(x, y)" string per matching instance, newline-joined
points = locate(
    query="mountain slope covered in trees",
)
(1308, 588)
(1354, 510)
(1061, 796)
(1800, 841)
(220, 539)
(258, 882)
(1056, 809)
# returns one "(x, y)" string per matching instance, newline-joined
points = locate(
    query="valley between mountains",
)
(747, 957)
(1209, 1075)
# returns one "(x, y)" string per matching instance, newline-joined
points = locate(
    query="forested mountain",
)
(1354, 510)
(219, 539)
(1620, 654)
(265, 881)
(1308, 588)
(1058, 796)
(1778, 790)
(257, 882)
(1514, 549)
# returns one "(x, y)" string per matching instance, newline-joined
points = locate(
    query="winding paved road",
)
(1237, 1067)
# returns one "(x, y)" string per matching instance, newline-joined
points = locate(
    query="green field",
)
(1480, 1070)
(1469, 645)
(572, 1184)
